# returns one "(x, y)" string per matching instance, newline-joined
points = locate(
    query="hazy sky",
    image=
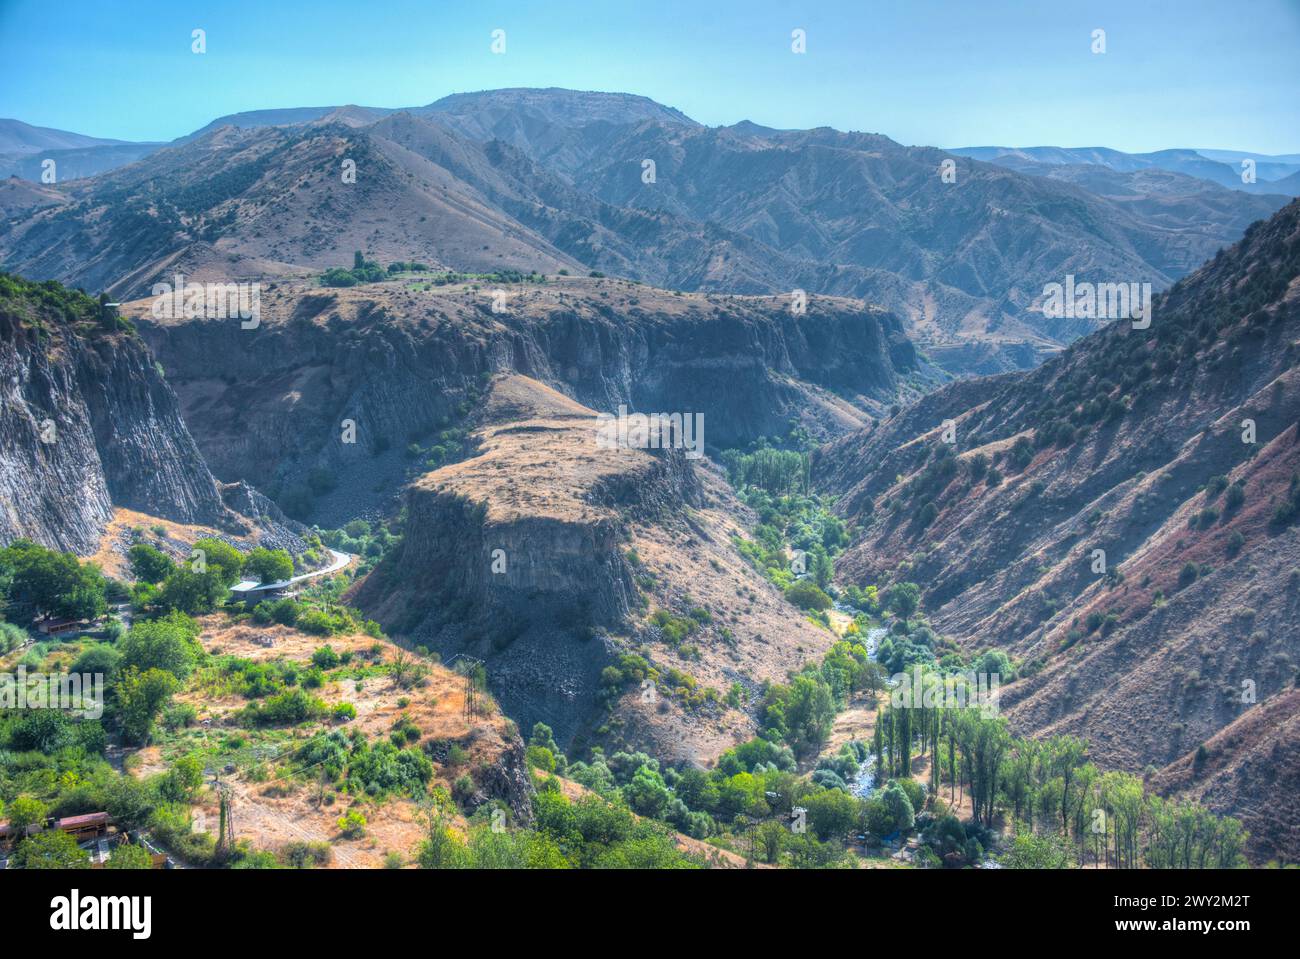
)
(1190, 73)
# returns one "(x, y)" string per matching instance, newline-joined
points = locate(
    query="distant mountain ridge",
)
(19, 137)
(1217, 166)
(581, 181)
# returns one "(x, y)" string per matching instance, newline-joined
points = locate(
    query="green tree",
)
(51, 849)
(899, 807)
(832, 813)
(45, 581)
(823, 570)
(169, 643)
(441, 848)
(191, 592)
(647, 793)
(183, 780)
(268, 566)
(771, 840)
(26, 811)
(149, 564)
(809, 713)
(903, 599)
(214, 555)
(514, 849)
(807, 595)
(129, 856)
(140, 697)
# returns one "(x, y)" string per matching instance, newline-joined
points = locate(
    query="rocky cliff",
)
(540, 555)
(403, 360)
(87, 422)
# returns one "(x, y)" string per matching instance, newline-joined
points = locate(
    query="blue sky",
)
(958, 73)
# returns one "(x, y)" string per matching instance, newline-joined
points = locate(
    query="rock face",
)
(507, 780)
(87, 422)
(516, 555)
(540, 555)
(1176, 451)
(268, 404)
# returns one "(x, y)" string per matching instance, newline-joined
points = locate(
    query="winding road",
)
(340, 560)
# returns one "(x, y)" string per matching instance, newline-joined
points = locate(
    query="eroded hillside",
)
(406, 360)
(553, 179)
(548, 555)
(1175, 451)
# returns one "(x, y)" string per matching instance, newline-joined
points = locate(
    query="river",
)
(864, 783)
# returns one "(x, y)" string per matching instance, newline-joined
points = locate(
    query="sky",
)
(1191, 73)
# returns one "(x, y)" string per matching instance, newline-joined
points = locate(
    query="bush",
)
(352, 824)
(344, 712)
(325, 657)
(149, 564)
(289, 708)
(306, 855)
(11, 637)
(319, 623)
(808, 595)
(1235, 498)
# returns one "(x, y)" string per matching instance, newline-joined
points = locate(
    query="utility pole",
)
(469, 671)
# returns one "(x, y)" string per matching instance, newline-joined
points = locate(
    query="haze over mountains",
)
(1274, 174)
(553, 179)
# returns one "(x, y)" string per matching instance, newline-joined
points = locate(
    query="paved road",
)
(340, 560)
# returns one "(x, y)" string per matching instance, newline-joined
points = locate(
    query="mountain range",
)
(1112, 505)
(554, 179)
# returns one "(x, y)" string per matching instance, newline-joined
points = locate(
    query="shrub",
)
(1235, 497)
(352, 824)
(306, 855)
(285, 709)
(807, 595)
(325, 657)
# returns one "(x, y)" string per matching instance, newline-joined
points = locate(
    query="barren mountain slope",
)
(550, 179)
(267, 201)
(1135, 442)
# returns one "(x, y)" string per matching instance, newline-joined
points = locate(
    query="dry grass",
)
(280, 805)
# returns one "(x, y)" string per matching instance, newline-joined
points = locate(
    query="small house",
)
(84, 827)
(52, 626)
